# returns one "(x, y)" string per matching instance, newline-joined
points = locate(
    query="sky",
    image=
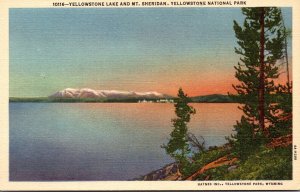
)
(134, 49)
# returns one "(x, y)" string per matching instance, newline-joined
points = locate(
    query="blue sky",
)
(153, 49)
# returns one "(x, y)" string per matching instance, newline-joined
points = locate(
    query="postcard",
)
(149, 95)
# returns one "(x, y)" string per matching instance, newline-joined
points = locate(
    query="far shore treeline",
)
(214, 98)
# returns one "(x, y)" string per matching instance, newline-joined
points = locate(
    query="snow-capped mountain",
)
(109, 94)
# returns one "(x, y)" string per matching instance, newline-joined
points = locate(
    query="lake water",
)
(102, 141)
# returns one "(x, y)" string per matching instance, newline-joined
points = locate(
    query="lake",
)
(102, 141)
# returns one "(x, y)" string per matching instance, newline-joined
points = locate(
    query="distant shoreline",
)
(200, 99)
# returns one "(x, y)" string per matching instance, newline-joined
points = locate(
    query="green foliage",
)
(265, 164)
(215, 174)
(248, 133)
(282, 124)
(245, 140)
(202, 158)
(178, 146)
(262, 164)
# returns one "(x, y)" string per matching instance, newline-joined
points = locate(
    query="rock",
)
(231, 168)
(168, 172)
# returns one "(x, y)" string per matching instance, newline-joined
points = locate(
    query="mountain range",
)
(91, 95)
(87, 93)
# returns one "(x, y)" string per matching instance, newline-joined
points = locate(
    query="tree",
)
(282, 124)
(197, 144)
(260, 45)
(178, 145)
(287, 33)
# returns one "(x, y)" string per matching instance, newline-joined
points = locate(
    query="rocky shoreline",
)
(166, 173)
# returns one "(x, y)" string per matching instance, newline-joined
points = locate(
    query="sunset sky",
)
(153, 49)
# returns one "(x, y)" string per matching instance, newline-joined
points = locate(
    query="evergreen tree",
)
(178, 145)
(261, 43)
(282, 124)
